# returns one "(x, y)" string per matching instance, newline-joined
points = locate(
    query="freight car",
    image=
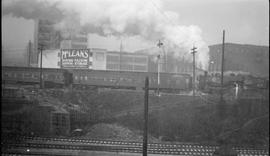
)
(84, 78)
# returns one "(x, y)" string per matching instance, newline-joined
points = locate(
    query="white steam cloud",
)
(146, 19)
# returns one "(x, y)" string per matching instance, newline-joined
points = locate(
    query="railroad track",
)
(121, 146)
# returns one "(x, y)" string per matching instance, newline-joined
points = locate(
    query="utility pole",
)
(222, 67)
(194, 66)
(120, 55)
(29, 53)
(41, 71)
(221, 107)
(158, 57)
(158, 80)
(145, 116)
(165, 59)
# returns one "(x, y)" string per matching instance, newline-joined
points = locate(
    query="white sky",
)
(245, 22)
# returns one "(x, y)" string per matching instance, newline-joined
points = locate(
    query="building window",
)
(142, 60)
(139, 68)
(112, 58)
(126, 67)
(7, 75)
(113, 66)
(51, 77)
(19, 75)
(99, 56)
(128, 59)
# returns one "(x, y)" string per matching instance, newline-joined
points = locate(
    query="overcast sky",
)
(245, 22)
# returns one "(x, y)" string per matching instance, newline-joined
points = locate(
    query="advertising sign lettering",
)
(75, 58)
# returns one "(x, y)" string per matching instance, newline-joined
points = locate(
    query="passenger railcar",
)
(85, 78)
(30, 75)
(130, 80)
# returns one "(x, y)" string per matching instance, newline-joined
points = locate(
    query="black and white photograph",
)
(135, 78)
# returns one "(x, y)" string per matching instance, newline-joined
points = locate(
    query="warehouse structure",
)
(239, 58)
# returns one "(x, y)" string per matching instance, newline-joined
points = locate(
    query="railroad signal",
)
(159, 44)
(164, 54)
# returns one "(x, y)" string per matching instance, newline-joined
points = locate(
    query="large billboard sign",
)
(75, 58)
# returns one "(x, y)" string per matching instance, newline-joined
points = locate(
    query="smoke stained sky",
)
(245, 22)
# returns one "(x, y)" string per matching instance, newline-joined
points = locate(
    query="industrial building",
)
(123, 61)
(99, 58)
(76, 41)
(46, 37)
(238, 58)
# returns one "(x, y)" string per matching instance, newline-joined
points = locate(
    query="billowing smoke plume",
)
(30, 9)
(146, 19)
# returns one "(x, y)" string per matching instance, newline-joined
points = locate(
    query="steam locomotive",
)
(85, 78)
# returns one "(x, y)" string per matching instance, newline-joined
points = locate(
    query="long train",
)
(86, 78)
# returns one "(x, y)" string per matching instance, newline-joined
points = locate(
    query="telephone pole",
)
(158, 80)
(221, 107)
(145, 116)
(29, 53)
(41, 71)
(194, 68)
(222, 66)
(120, 55)
(158, 57)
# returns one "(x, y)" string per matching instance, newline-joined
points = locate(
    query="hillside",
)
(179, 117)
(118, 115)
